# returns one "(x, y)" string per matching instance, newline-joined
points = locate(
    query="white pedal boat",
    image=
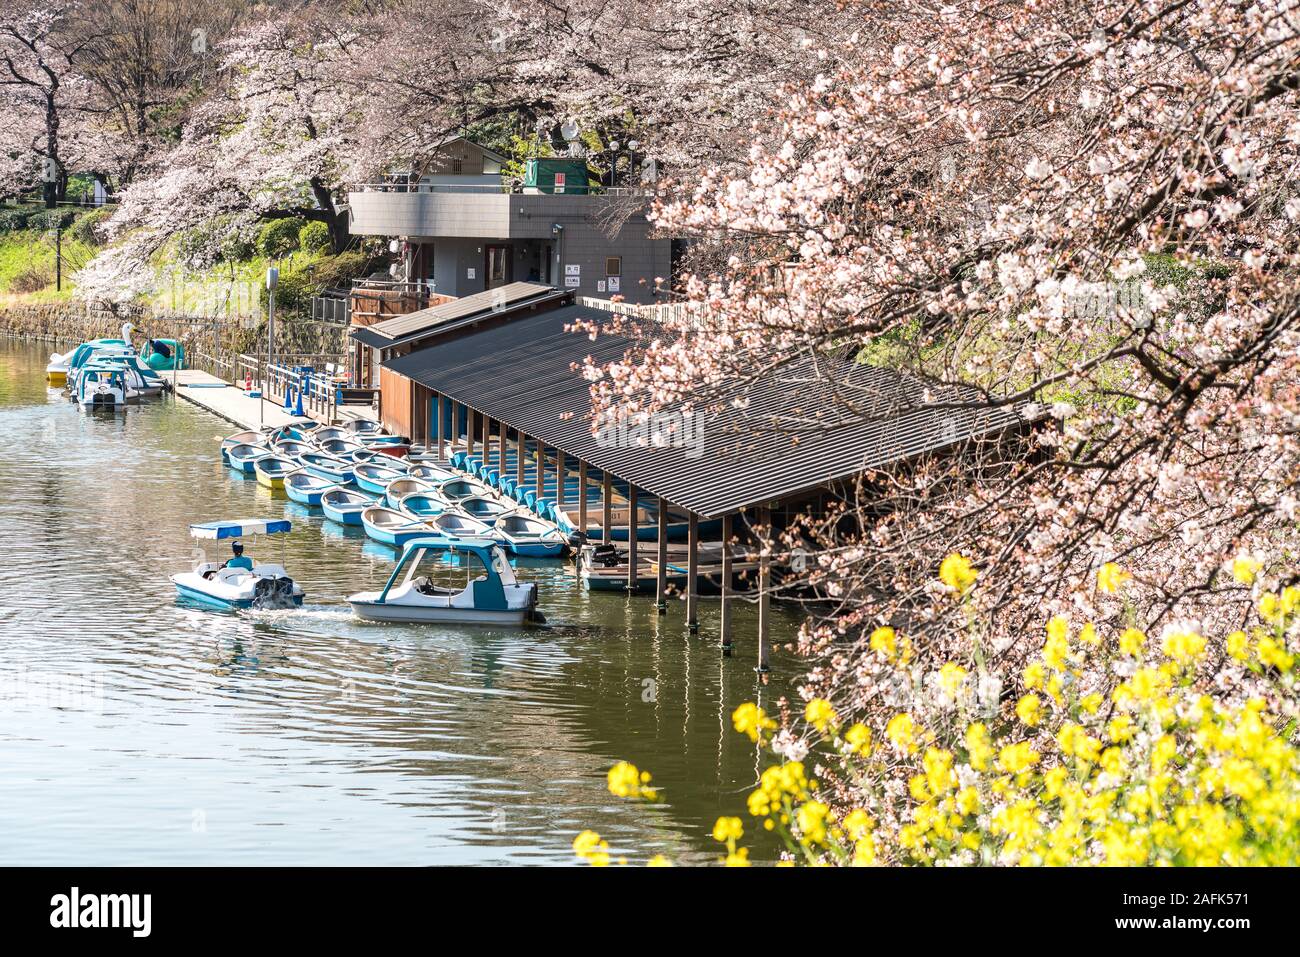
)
(267, 585)
(493, 597)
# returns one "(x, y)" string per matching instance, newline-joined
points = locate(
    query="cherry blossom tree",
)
(1087, 208)
(40, 88)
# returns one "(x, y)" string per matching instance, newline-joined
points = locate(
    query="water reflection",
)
(178, 735)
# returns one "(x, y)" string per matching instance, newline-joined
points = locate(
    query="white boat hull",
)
(389, 612)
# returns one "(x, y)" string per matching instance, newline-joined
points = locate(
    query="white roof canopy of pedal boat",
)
(241, 529)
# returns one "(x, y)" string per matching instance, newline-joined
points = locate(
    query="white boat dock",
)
(234, 405)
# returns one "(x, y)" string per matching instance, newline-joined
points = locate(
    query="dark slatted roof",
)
(415, 325)
(521, 373)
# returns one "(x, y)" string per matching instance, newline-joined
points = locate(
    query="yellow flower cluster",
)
(1171, 777)
(957, 573)
(627, 781)
(1149, 771)
(749, 719)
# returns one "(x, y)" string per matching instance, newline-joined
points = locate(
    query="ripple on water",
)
(138, 729)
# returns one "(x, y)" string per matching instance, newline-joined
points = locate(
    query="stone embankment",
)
(204, 338)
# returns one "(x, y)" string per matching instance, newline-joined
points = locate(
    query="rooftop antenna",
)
(569, 130)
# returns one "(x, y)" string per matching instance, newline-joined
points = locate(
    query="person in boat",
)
(239, 559)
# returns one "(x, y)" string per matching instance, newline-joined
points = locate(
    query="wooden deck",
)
(232, 404)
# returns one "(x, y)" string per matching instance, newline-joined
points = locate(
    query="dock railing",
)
(315, 378)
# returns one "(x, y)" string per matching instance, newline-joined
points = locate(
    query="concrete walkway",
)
(232, 404)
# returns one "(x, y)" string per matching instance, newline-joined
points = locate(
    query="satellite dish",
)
(569, 130)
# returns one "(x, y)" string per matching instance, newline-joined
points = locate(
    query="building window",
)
(458, 165)
(613, 265)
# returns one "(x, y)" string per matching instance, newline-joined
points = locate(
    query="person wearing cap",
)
(240, 560)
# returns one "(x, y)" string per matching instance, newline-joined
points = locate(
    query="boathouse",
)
(403, 404)
(510, 397)
(464, 225)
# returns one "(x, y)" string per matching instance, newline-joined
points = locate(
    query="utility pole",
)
(272, 280)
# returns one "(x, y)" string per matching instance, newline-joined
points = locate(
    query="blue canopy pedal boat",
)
(493, 597)
(265, 585)
(101, 387)
(345, 505)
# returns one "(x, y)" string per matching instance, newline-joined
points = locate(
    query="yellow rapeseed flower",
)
(820, 714)
(901, 732)
(1110, 577)
(751, 720)
(979, 746)
(1245, 568)
(885, 641)
(1131, 641)
(1029, 709)
(957, 573)
(859, 739)
(728, 829)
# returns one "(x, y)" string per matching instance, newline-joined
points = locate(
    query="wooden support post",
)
(725, 604)
(632, 576)
(487, 438)
(541, 468)
(607, 516)
(764, 583)
(519, 461)
(501, 449)
(693, 574)
(469, 430)
(441, 426)
(661, 556)
(559, 479)
(582, 498)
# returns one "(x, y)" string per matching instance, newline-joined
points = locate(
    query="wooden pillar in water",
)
(519, 461)
(632, 575)
(725, 604)
(607, 509)
(559, 479)
(469, 430)
(441, 428)
(661, 556)
(541, 467)
(487, 438)
(764, 587)
(582, 497)
(693, 574)
(501, 449)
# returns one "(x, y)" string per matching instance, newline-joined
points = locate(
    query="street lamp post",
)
(272, 280)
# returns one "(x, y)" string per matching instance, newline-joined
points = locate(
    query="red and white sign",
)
(559, 182)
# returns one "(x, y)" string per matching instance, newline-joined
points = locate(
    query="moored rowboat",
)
(344, 505)
(271, 470)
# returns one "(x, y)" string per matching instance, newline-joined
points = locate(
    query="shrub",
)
(86, 228)
(278, 238)
(314, 237)
(52, 219)
(14, 220)
(31, 279)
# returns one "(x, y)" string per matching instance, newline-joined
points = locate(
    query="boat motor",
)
(273, 593)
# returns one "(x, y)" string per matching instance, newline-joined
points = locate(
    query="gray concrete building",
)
(463, 228)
